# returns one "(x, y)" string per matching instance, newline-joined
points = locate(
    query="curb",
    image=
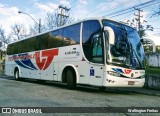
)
(153, 93)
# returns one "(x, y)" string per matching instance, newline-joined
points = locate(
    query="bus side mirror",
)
(111, 34)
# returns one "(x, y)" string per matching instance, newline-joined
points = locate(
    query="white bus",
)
(97, 52)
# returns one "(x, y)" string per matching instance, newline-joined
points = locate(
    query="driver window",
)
(97, 51)
(90, 43)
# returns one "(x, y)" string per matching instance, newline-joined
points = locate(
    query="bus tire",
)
(16, 75)
(71, 79)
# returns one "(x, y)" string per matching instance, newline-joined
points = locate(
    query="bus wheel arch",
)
(69, 76)
(16, 73)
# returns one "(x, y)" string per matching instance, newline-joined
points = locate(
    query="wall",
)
(153, 59)
(152, 82)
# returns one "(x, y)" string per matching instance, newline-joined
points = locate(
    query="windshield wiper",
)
(137, 58)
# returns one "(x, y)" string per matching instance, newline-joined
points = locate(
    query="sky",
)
(80, 9)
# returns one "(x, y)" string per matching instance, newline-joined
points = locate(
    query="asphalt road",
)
(30, 93)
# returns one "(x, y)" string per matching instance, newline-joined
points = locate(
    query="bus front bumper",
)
(112, 81)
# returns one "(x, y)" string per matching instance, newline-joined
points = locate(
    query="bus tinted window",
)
(71, 35)
(92, 45)
(31, 43)
(55, 39)
(42, 41)
(62, 37)
(89, 28)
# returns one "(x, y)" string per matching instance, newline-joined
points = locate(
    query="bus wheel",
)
(102, 88)
(16, 74)
(71, 79)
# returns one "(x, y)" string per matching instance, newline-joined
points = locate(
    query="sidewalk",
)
(139, 90)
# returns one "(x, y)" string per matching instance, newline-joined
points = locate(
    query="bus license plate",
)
(131, 82)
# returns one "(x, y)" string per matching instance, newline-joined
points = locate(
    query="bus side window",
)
(42, 42)
(55, 38)
(71, 35)
(89, 29)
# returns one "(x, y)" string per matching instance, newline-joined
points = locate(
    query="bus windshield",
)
(127, 50)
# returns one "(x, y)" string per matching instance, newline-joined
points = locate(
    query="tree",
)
(34, 29)
(53, 20)
(158, 49)
(142, 33)
(5, 40)
(18, 31)
(142, 29)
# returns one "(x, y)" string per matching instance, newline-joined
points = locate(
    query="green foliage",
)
(146, 64)
(142, 33)
(148, 48)
(157, 50)
(153, 70)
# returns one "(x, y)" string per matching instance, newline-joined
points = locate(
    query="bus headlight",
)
(114, 73)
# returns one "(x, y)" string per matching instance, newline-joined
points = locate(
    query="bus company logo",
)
(44, 58)
(127, 71)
